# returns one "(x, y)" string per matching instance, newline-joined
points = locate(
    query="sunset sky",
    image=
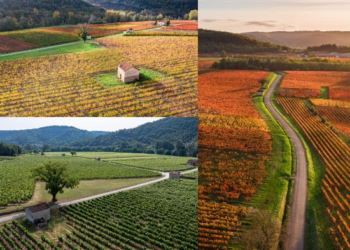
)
(275, 15)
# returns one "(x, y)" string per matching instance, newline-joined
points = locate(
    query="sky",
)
(240, 16)
(86, 123)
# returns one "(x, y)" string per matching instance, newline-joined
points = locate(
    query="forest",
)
(9, 149)
(216, 41)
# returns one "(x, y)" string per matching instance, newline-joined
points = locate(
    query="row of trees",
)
(9, 149)
(162, 147)
(42, 18)
(329, 48)
(283, 63)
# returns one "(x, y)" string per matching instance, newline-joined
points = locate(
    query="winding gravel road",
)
(165, 176)
(297, 219)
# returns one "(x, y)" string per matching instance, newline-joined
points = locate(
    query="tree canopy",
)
(56, 176)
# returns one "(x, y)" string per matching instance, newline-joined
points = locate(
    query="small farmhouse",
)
(38, 214)
(192, 163)
(97, 159)
(174, 175)
(130, 30)
(161, 23)
(260, 92)
(88, 37)
(127, 73)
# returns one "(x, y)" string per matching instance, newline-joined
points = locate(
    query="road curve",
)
(297, 219)
(165, 176)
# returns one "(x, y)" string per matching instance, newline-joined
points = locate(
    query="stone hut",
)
(88, 37)
(192, 163)
(127, 73)
(97, 159)
(38, 214)
(174, 175)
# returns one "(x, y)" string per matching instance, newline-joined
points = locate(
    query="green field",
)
(166, 164)
(192, 175)
(158, 216)
(17, 185)
(64, 49)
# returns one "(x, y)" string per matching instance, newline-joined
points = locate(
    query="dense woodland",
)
(281, 63)
(16, 14)
(174, 8)
(329, 48)
(216, 41)
(53, 135)
(9, 149)
(168, 136)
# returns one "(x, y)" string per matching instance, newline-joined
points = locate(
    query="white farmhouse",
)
(88, 37)
(127, 73)
(38, 212)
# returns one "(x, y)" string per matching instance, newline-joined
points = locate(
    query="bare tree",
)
(262, 81)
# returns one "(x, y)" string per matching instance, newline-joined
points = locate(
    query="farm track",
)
(166, 176)
(296, 227)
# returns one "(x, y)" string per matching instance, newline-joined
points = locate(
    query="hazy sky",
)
(86, 123)
(274, 15)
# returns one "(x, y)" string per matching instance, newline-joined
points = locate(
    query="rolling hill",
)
(170, 129)
(19, 14)
(174, 8)
(216, 41)
(52, 135)
(302, 39)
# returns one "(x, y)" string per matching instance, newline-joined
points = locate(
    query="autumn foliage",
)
(308, 84)
(234, 144)
(336, 155)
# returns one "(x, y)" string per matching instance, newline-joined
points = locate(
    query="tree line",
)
(21, 15)
(161, 147)
(329, 48)
(281, 63)
(9, 149)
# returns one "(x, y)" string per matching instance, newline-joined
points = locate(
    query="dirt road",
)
(296, 227)
(165, 176)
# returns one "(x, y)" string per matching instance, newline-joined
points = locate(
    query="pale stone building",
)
(127, 73)
(174, 175)
(38, 212)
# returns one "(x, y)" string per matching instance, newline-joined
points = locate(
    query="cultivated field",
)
(234, 145)
(67, 85)
(18, 186)
(148, 218)
(307, 84)
(335, 182)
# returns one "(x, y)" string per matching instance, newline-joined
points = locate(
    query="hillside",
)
(52, 135)
(174, 8)
(302, 39)
(170, 129)
(38, 13)
(216, 41)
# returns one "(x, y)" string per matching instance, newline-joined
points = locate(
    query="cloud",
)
(261, 23)
(218, 20)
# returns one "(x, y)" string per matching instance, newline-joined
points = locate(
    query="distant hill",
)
(174, 8)
(302, 39)
(38, 13)
(52, 135)
(170, 129)
(216, 41)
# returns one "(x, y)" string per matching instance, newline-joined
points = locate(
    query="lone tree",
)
(262, 81)
(73, 153)
(56, 176)
(223, 53)
(83, 31)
